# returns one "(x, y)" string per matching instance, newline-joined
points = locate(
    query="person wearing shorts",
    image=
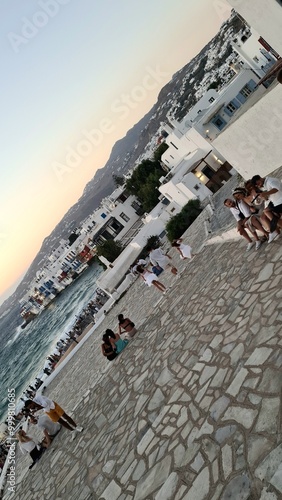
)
(53, 410)
(272, 191)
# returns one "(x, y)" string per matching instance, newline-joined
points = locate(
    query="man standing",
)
(272, 191)
(158, 258)
(54, 412)
(49, 428)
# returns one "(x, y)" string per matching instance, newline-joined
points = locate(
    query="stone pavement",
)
(191, 410)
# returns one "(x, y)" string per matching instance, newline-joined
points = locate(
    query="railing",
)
(132, 232)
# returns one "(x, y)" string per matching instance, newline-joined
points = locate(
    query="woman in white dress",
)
(150, 278)
(184, 250)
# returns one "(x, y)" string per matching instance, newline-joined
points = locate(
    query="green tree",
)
(160, 151)
(144, 183)
(178, 224)
(119, 180)
(110, 249)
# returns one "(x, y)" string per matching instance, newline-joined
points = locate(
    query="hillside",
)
(210, 66)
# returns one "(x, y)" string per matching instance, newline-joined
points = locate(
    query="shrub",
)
(110, 249)
(178, 224)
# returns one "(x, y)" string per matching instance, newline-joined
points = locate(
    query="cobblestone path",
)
(191, 410)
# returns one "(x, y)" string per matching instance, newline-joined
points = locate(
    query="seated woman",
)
(117, 343)
(27, 445)
(150, 278)
(250, 221)
(257, 206)
(107, 349)
(127, 325)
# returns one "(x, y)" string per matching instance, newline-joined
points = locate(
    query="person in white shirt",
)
(158, 258)
(54, 412)
(49, 428)
(241, 212)
(151, 279)
(185, 251)
(28, 445)
(272, 191)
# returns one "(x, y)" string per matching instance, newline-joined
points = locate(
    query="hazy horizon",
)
(63, 78)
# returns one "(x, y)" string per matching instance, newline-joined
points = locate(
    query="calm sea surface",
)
(23, 351)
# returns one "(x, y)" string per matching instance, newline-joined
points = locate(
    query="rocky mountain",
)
(209, 67)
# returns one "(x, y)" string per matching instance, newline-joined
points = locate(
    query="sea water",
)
(23, 351)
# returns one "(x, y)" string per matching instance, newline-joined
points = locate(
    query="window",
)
(124, 217)
(122, 197)
(246, 91)
(165, 201)
(103, 216)
(172, 210)
(219, 122)
(174, 145)
(211, 99)
(248, 88)
(196, 187)
(115, 226)
(231, 107)
(208, 172)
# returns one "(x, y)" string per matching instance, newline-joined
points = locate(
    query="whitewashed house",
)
(254, 51)
(253, 142)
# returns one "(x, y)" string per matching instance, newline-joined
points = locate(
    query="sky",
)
(76, 75)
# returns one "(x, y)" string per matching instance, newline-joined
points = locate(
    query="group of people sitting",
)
(114, 343)
(257, 206)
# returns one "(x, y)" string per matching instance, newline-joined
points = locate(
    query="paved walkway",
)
(191, 410)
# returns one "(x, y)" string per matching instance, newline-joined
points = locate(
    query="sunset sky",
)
(67, 66)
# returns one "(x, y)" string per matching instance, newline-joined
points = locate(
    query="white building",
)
(229, 102)
(196, 166)
(253, 143)
(253, 50)
(265, 18)
(115, 218)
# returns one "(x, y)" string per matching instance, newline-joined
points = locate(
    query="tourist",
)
(118, 344)
(257, 205)
(272, 191)
(158, 258)
(54, 412)
(28, 445)
(72, 336)
(47, 371)
(252, 221)
(107, 349)
(241, 213)
(184, 250)
(49, 428)
(150, 279)
(127, 325)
